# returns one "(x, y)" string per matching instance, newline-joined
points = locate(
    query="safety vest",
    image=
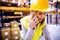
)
(38, 32)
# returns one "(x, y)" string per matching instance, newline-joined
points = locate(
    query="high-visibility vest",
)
(38, 32)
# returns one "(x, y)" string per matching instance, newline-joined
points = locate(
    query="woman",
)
(32, 25)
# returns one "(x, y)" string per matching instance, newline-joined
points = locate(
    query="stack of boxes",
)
(24, 3)
(12, 33)
(5, 32)
(20, 3)
(15, 31)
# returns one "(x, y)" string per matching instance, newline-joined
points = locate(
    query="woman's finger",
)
(34, 18)
(36, 21)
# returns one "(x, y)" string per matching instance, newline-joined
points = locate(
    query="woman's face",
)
(40, 16)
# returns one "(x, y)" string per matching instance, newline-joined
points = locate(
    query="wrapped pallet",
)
(5, 32)
(58, 19)
(21, 3)
(14, 24)
(53, 17)
(15, 33)
(26, 3)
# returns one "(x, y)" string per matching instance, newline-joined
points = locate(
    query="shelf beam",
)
(13, 17)
(16, 9)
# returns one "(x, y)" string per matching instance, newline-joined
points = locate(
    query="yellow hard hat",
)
(39, 5)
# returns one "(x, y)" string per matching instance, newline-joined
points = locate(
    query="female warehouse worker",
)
(33, 24)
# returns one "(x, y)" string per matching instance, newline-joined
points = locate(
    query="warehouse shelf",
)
(18, 9)
(13, 17)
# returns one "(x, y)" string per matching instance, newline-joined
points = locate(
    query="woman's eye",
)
(40, 13)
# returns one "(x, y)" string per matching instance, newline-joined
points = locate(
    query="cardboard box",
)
(14, 24)
(15, 33)
(5, 32)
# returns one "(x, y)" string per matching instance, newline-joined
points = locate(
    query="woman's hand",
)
(33, 22)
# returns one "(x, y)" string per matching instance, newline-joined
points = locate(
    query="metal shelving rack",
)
(11, 7)
(53, 5)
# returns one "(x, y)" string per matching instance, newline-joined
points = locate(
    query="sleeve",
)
(47, 34)
(27, 34)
